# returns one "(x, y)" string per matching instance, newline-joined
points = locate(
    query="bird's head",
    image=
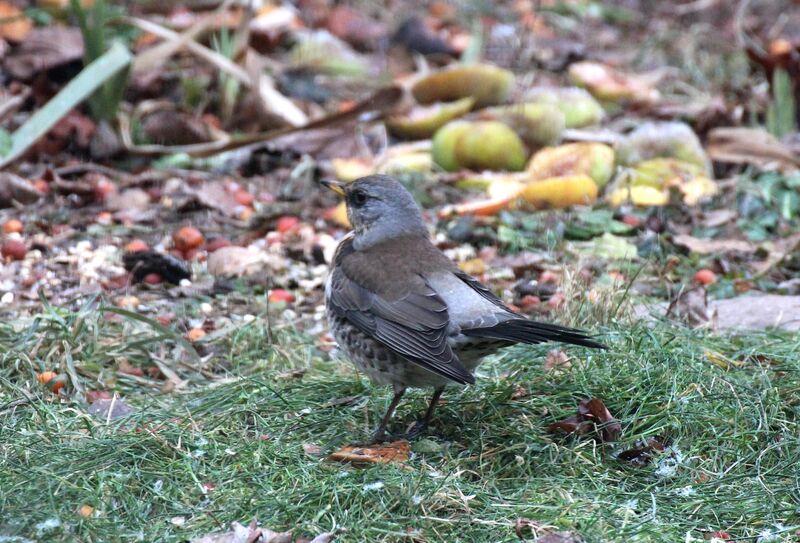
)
(379, 208)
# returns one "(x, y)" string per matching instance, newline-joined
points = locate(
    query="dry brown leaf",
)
(749, 146)
(14, 188)
(389, 453)
(560, 537)
(778, 250)
(43, 49)
(595, 410)
(592, 414)
(254, 534)
(713, 246)
(570, 425)
(692, 306)
(643, 451)
(557, 359)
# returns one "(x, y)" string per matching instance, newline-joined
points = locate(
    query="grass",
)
(230, 445)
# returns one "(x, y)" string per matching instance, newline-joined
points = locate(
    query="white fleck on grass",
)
(7, 298)
(686, 491)
(669, 463)
(158, 485)
(416, 500)
(178, 521)
(248, 318)
(201, 442)
(48, 525)
(206, 308)
(377, 485)
(230, 452)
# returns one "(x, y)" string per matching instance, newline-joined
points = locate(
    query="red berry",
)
(102, 189)
(286, 223)
(12, 226)
(631, 220)
(705, 277)
(187, 238)
(14, 249)
(530, 300)
(136, 246)
(281, 295)
(243, 197)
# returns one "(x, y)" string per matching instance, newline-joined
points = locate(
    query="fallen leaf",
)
(556, 359)
(570, 425)
(560, 537)
(14, 188)
(643, 451)
(236, 262)
(691, 306)
(778, 250)
(129, 200)
(171, 127)
(713, 246)
(737, 145)
(719, 359)
(525, 523)
(397, 451)
(246, 534)
(592, 415)
(607, 246)
(355, 27)
(595, 411)
(338, 402)
(45, 48)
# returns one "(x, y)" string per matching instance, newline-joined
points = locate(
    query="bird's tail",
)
(528, 331)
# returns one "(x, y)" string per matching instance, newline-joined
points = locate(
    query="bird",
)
(404, 313)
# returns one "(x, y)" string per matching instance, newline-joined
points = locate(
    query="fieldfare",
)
(403, 312)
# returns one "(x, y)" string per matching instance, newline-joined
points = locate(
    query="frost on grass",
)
(377, 485)
(669, 463)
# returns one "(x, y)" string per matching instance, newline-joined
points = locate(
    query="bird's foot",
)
(382, 436)
(418, 428)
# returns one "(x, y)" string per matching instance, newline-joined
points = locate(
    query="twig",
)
(14, 103)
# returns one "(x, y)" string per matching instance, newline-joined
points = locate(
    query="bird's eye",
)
(358, 198)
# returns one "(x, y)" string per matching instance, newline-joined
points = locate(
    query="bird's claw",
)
(382, 436)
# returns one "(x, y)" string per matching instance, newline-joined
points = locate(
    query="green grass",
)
(240, 427)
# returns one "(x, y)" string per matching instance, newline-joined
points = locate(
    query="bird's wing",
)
(509, 326)
(396, 307)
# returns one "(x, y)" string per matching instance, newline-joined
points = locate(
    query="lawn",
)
(248, 438)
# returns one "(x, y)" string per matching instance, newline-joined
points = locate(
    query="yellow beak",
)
(335, 186)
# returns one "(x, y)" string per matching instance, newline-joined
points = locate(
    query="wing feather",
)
(407, 316)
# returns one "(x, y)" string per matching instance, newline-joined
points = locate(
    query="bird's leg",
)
(422, 423)
(380, 432)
